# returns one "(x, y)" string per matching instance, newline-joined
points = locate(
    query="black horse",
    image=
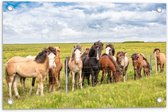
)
(91, 63)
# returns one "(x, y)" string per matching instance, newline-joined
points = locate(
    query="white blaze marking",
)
(51, 57)
(77, 54)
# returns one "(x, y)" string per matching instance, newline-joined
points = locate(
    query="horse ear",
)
(125, 53)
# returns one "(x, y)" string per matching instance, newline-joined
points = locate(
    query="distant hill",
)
(133, 42)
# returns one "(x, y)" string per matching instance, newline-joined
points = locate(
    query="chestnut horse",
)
(123, 62)
(54, 73)
(139, 62)
(23, 67)
(108, 63)
(160, 59)
(111, 52)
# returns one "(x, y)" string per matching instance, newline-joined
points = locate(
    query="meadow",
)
(130, 94)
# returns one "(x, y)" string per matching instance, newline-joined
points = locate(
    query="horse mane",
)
(92, 51)
(156, 50)
(40, 58)
(148, 65)
(52, 49)
(116, 65)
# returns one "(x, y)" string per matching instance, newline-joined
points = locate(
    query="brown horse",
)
(75, 66)
(54, 73)
(123, 62)
(160, 59)
(23, 67)
(108, 63)
(139, 62)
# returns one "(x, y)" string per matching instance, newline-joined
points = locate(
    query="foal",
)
(123, 62)
(139, 62)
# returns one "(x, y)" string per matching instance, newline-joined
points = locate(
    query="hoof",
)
(17, 96)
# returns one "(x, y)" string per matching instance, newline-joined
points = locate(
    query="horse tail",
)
(7, 75)
(33, 81)
(116, 65)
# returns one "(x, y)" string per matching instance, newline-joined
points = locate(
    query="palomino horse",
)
(123, 62)
(93, 61)
(23, 67)
(107, 63)
(54, 73)
(139, 62)
(75, 66)
(160, 59)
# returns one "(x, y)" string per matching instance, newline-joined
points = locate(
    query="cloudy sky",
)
(45, 22)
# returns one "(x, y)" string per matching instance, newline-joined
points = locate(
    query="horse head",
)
(49, 53)
(121, 58)
(110, 49)
(76, 55)
(135, 57)
(96, 49)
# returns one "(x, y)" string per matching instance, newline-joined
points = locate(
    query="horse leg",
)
(15, 86)
(93, 78)
(161, 67)
(102, 78)
(96, 78)
(115, 76)
(40, 85)
(32, 86)
(77, 80)
(83, 78)
(88, 79)
(73, 80)
(80, 79)
(135, 72)
(124, 75)
(139, 72)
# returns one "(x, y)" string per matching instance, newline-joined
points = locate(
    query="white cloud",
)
(83, 22)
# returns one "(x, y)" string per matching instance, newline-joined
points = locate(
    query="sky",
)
(78, 22)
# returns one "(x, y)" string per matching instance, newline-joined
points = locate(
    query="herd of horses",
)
(81, 65)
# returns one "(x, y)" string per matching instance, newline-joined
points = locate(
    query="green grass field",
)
(139, 93)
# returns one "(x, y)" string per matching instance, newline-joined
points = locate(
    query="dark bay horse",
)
(123, 62)
(160, 59)
(22, 67)
(86, 71)
(93, 61)
(139, 62)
